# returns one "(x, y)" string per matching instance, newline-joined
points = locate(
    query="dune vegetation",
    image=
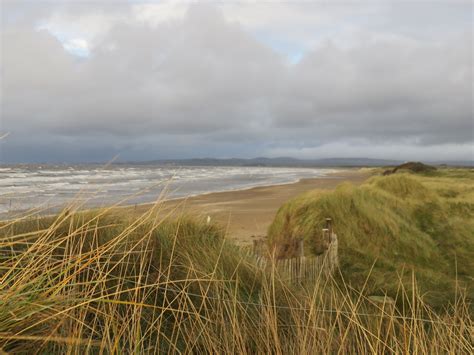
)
(392, 226)
(102, 282)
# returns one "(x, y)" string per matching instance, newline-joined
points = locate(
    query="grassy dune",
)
(102, 283)
(392, 225)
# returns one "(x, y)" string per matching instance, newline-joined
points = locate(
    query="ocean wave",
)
(58, 184)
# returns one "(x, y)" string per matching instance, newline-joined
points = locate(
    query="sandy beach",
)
(246, 214)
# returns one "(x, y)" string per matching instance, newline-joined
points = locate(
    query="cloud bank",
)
(84, 82)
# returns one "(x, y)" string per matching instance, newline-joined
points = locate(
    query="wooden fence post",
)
(333, 252)
(329, 225)
(300, 259)
(300, 247)
(326, 235)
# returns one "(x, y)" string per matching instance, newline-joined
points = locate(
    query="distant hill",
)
(293, 162)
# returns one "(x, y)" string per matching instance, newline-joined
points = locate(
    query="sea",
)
(49, 188)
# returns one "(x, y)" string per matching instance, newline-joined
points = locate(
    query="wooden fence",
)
(300, 267)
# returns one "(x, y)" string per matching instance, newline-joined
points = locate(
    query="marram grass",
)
(99, 282)
(393, 225)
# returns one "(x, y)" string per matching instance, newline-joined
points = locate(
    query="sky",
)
(87, 81)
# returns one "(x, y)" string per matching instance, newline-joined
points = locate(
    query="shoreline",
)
(6, 216)
(328, 175)
(246, 214)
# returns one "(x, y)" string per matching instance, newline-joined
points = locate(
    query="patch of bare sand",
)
(246, 214)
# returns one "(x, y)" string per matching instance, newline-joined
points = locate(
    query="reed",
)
(104, 283)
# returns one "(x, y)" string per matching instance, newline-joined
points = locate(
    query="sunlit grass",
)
(397, 223)
(103, 282)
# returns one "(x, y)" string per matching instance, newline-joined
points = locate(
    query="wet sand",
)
(247, 214)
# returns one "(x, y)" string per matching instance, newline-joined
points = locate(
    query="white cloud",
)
(156, 13)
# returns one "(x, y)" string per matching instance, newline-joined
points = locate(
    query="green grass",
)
(396, 224)
(105, 282)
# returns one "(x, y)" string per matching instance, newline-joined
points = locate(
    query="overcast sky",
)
(89, 80)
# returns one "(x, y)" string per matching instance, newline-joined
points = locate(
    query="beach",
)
(53, 187)
(247, 214)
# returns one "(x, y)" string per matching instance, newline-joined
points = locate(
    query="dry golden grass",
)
(101, 283)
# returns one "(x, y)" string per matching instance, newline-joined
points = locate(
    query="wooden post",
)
(300, 247)
(325, 256)
(329, 225)
(333, 252)
(326, 235)
(301, 259)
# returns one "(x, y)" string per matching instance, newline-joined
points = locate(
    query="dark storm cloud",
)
(199, 84)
